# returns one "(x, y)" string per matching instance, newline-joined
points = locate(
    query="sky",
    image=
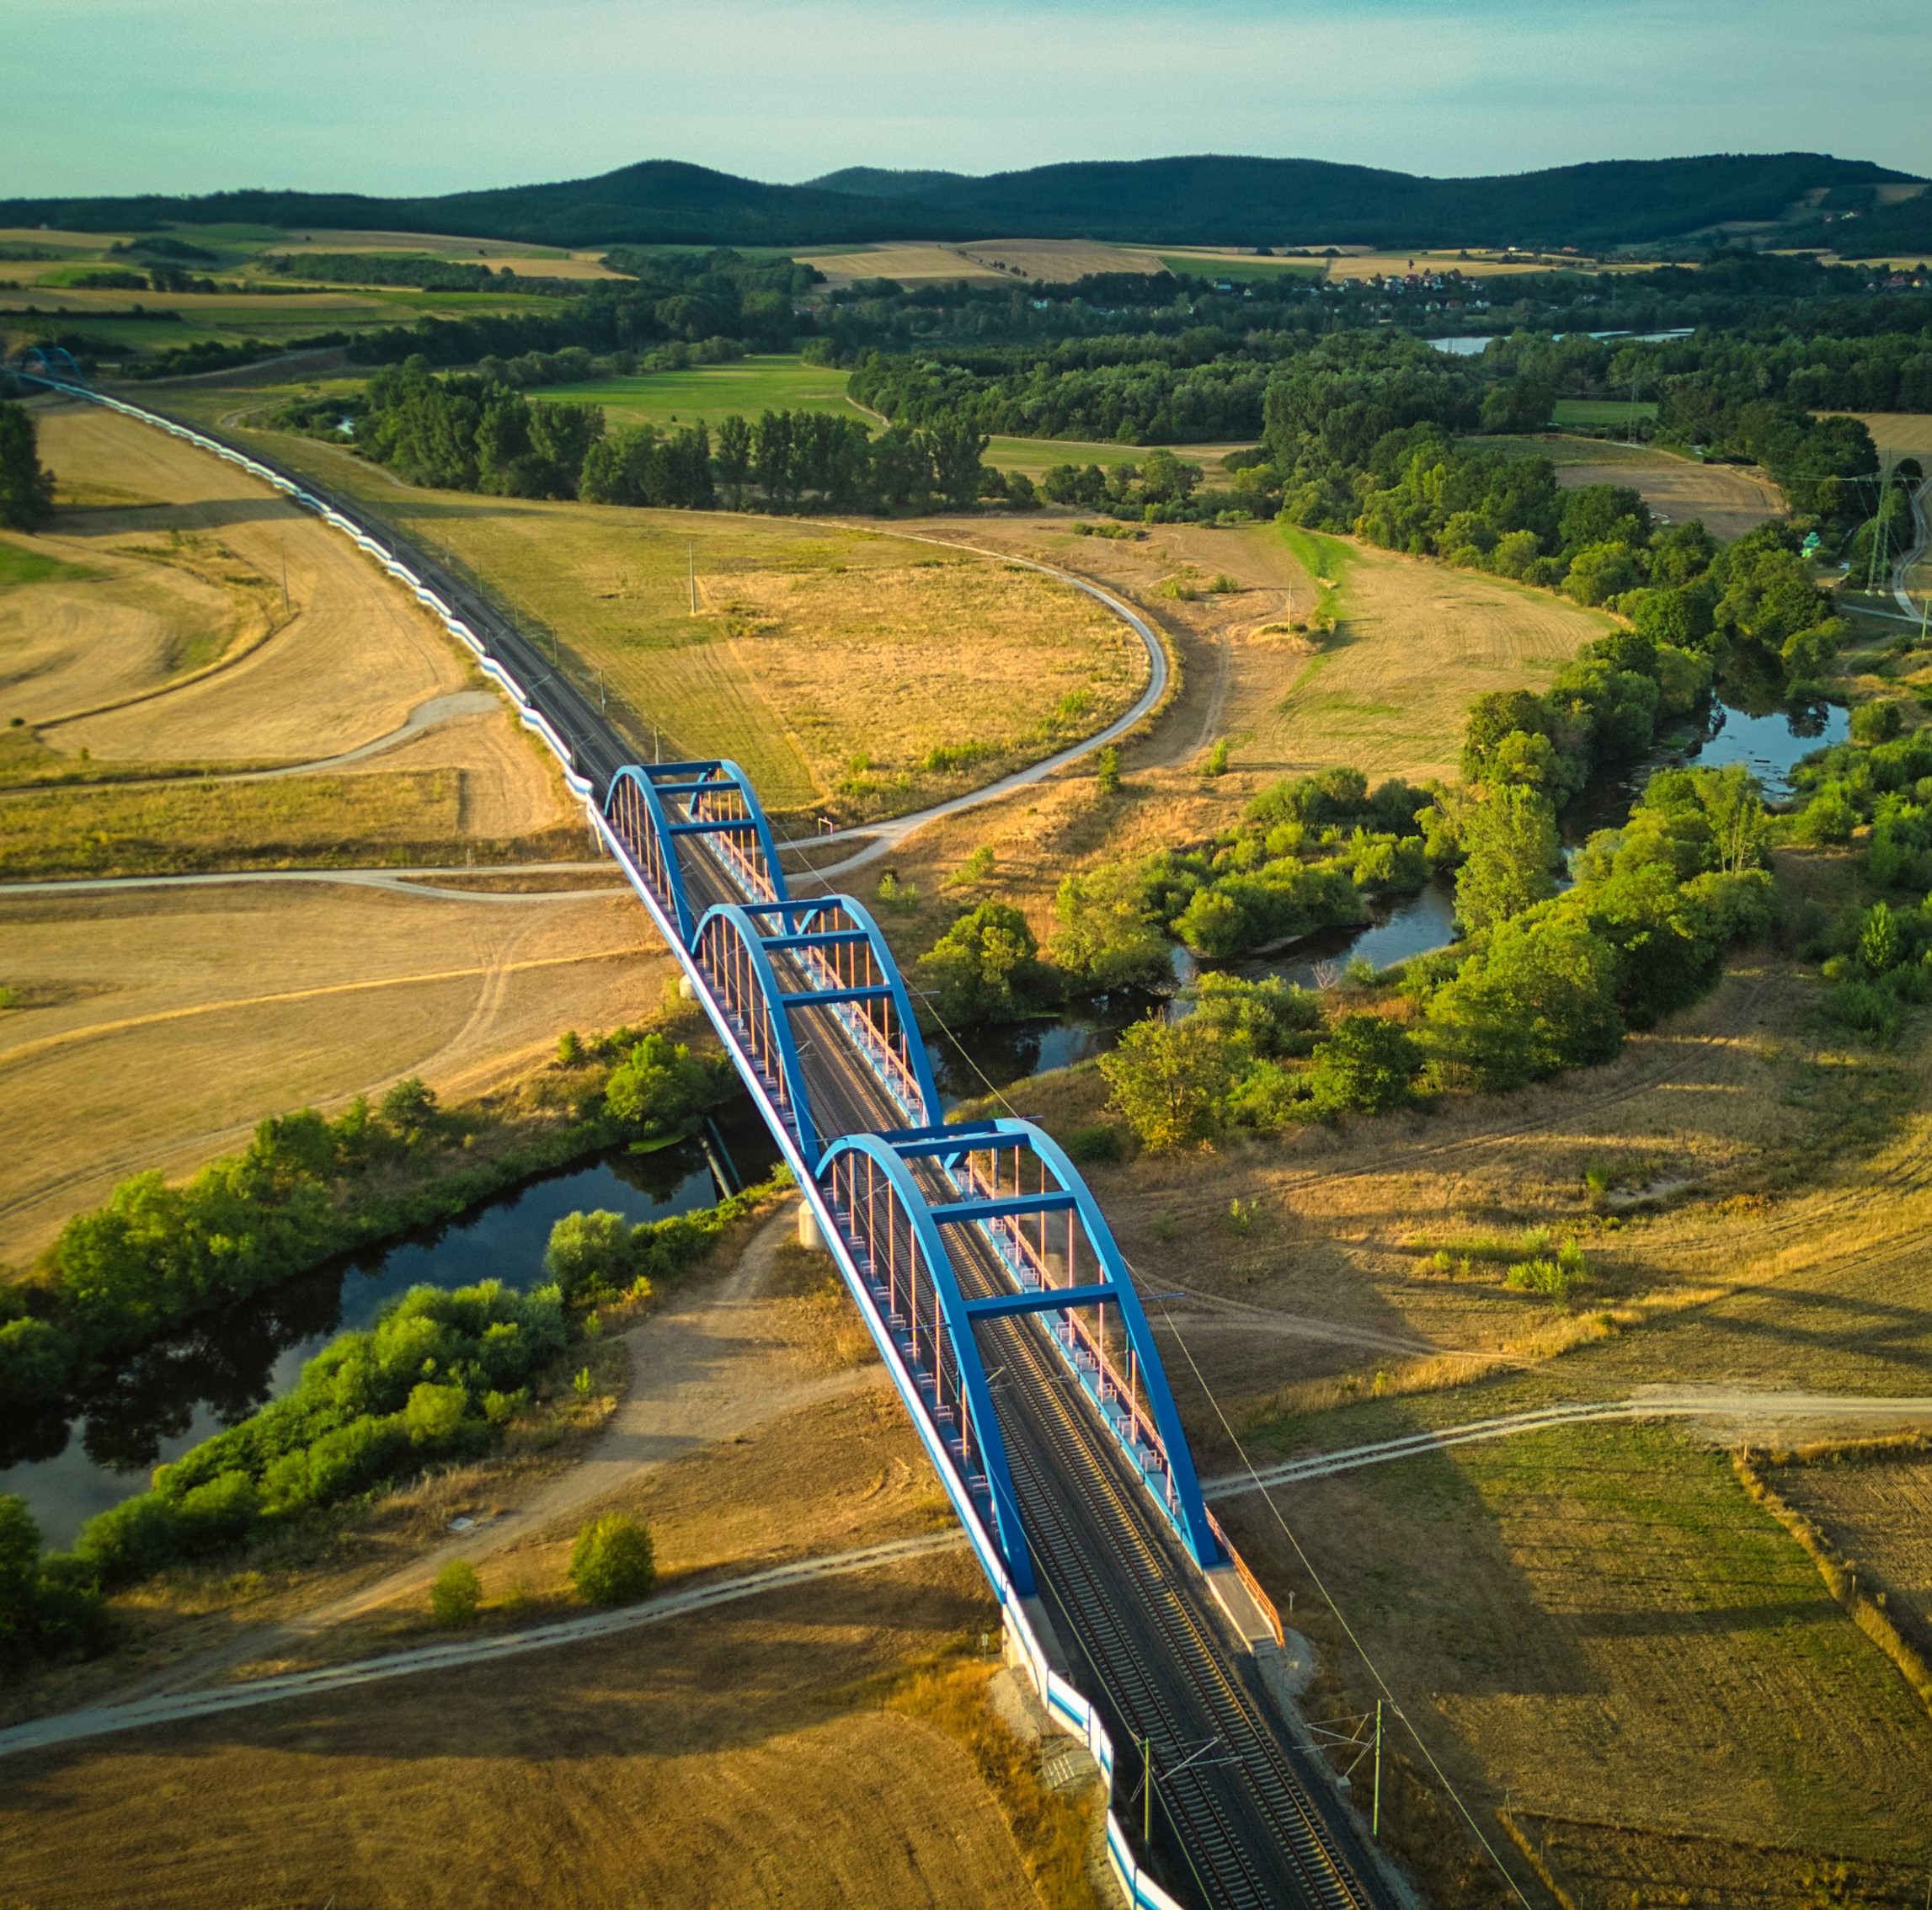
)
(417, 97)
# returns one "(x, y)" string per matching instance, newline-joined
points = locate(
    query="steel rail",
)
(1249, 1825)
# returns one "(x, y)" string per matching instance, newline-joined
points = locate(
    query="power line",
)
(1354, 1638)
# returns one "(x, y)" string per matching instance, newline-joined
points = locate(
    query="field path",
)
(1737, 1413)
(709, 1369)
(100, 1720)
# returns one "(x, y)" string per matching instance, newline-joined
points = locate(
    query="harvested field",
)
(156, 1027)
(1730, 498)
(1353, 263)
(1605, 1627)
(350, 663)
(797, 625)
(1607, 1866)
(1035, 456)
(743, 1757)
(909, 264)
(1060, 261)
(393, 815)
(1873, 1504)
(1899, 434)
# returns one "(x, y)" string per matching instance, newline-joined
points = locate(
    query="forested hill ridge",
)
(1205, 200)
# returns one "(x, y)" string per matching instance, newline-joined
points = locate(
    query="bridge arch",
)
(865, 1180)
(1014, 1181)
(652, 806)
(729, 948)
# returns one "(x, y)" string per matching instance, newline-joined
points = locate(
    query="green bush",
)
(1098, 1142)
(1875, 723)
(984, 968)
(659, 1087)
(456, 1597)
(1170, 1081)
(48, 1607)
(1367, 1065)
(611, 1562)
(596, 1257)
(364, 1410)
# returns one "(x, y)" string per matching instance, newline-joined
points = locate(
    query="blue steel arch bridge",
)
(990, 1283)
(1009, 1321)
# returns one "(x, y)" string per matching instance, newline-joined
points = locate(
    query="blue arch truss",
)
(671, 793)
(781, 949)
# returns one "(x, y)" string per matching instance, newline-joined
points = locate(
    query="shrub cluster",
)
(1307, 853)
(598, 1257)
(437, 1377)
(1550, 985)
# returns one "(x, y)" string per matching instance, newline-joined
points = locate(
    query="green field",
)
(778, 382)
(1601, 411)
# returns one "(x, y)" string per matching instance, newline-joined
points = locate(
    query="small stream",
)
(178, 1393)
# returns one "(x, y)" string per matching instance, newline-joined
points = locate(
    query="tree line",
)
(474, 432)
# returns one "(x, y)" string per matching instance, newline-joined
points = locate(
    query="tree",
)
(611, 1562)
(1539, 998)
(1511, 839)
(956, 450)
(456, 1596)
(1367, 1065)
(985, 968)
(26, 488)
(657, 1087)
(1171, 1079)
(590, 1255)
(19, 1568)
(1108, 933)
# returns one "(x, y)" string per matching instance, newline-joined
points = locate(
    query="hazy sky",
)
(426, 96)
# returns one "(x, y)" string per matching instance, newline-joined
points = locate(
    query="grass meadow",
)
(707, 394)
(851, 670)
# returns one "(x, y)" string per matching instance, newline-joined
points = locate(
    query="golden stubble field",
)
(799, 625)
(154, 1027)
(829, 1745)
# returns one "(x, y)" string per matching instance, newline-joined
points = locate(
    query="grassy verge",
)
(393, 817)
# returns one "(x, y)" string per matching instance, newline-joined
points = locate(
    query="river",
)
(183, 1391)
(180, 1392)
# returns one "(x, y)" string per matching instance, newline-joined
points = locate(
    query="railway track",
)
(1243, 1817)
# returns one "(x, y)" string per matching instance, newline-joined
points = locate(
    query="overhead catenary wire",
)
(1267, 1495)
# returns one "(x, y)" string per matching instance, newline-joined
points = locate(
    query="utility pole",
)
(1375, 1808)
(1147, 1794)
(1880, 536)
(691, 553)
(285, 554)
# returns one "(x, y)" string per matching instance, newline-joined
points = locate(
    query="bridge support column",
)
(811, 1236)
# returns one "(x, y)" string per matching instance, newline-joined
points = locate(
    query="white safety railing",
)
(1063, 1703)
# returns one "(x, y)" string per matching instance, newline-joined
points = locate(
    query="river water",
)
(182, 1392)
(179, 1393)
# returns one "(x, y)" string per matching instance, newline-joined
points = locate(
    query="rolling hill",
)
(1205, 200)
